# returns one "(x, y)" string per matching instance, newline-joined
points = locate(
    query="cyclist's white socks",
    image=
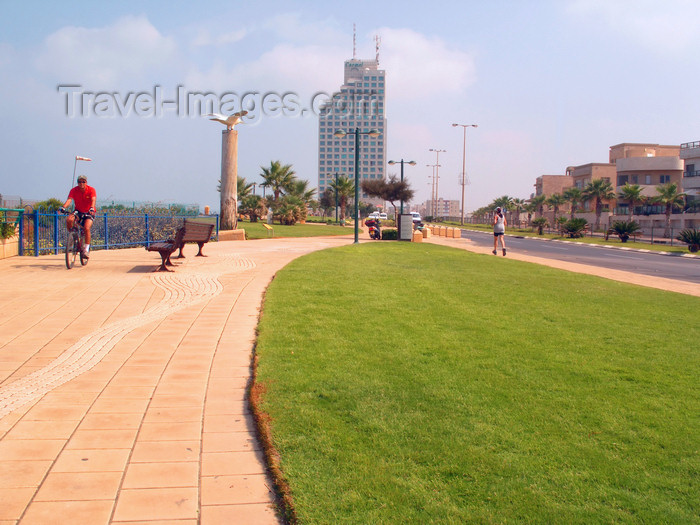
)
(87, 248)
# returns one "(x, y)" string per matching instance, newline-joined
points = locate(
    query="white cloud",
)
(283, 68)
(423, 67)
(103, 56)
(660, 26)
(205, 38)
(292, 27)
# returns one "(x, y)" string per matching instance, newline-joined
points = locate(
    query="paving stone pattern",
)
(123, 391)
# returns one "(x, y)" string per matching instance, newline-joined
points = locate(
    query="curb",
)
(640, 250)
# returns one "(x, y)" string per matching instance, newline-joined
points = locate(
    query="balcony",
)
(649, 164)
(691, 173)
(690, 150)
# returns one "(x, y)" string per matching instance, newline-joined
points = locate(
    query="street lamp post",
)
(336, 196)
(342, 134)
(437, 171)
(433, 180)
(464, 160)
(75, 164)
(411, 163)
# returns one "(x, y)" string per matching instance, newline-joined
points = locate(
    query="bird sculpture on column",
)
(229, 121)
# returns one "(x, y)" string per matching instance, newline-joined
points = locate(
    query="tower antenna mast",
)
(378, 42)
(354, 35)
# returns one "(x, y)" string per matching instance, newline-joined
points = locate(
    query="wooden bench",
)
(270, 229)
(166, 249)
(192, 231)
(199, 232)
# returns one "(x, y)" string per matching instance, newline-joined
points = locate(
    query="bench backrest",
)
(196, 231)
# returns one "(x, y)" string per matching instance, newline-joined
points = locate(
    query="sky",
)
(550, 84)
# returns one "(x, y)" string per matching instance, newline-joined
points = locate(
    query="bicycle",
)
(74, 240)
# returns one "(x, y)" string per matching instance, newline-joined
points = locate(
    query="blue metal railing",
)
(45, 233)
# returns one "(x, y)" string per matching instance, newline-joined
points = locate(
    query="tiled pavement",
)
(122, 391)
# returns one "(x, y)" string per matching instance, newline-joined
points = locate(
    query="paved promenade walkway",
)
(122, 391)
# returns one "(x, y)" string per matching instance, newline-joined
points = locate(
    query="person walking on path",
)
(499, 230)
(84, 197)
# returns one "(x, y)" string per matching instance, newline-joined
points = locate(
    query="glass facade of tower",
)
(358, 104)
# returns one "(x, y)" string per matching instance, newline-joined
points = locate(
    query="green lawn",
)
(415, 383)
(256, 230)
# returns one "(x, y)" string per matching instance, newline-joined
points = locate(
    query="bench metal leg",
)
(200, 254)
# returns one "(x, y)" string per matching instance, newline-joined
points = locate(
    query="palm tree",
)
(632, 193)
(346, 189)
(671, 198)
(574, 196)
(518, 207)
(505, 203)
(300, 188)
(530, 208)
(554, 201)
(598, 190)
(243, 187)
(278, 177)
(538, 203)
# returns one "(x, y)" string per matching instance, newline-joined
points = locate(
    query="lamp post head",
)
(412, 162)
(339, 134)
(392, 162)
(374, 133)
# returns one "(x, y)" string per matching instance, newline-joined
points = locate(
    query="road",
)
(653, 264)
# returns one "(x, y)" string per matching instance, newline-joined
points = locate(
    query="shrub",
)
(574, 228)
(7, 230)
(390, 234)
(691, 237)
(540, 223)
(623, 229)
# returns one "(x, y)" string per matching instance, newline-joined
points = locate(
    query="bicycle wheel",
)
(71, 249)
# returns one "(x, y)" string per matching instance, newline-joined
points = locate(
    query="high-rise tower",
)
(360, 103)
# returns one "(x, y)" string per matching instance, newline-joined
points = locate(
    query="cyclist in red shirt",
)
(85, 198)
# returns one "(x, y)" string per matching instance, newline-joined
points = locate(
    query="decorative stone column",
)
(229, 179)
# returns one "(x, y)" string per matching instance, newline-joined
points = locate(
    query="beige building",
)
(648, 165)
(550, 184)
(690, 155)
(444, 208)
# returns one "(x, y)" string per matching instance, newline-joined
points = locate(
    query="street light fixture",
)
(437, 173)
(340, 134)
(464, 159)
(411, 163)
(75, 164)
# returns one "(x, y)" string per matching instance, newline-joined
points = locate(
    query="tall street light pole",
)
(432, 190)
(75, 165)
(437, 171)
(336, 196)
(411, 163)
(464, 161)
(340, 134)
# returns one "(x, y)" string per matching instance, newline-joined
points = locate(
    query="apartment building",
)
(443, 208)
(690, 155)
(648, 165)
(550, 184)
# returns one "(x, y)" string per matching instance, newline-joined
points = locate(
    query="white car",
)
(416, 216)
(382, 216)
